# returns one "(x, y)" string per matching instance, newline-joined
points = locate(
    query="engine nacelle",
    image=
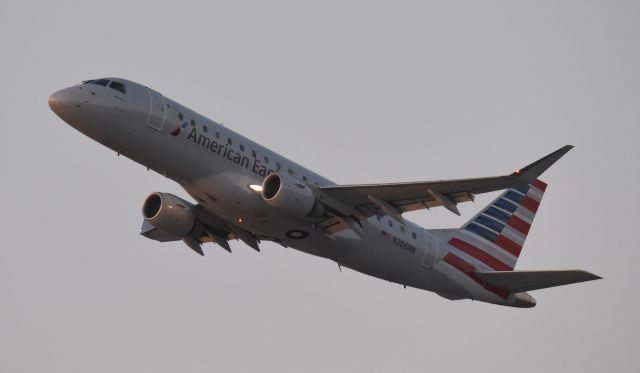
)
(169, 213)
(288, 194)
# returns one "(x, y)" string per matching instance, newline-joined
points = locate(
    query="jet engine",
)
(286, 193)
(169, 213)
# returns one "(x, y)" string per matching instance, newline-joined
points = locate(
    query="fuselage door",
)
(157, 110)
(432, 254)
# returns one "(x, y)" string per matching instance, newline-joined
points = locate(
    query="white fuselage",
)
(216, 165)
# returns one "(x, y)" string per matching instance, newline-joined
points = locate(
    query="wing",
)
(365, 200)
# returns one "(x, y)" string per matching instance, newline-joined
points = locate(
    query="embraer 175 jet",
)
(245, 191)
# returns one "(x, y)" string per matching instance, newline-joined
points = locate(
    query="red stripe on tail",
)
(530, 204)
(480, 255)
(470, 271)
(519, 224)
(539, 185)
(508, 245)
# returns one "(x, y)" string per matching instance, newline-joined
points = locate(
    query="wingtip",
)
(593, 276)
(535, 169)
(588, 276)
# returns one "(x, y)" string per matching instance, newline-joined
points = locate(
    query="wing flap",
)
(521, 281)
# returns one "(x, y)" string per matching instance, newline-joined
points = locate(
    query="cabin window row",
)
(242, 149)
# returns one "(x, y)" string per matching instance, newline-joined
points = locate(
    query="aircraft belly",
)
(224, 194)
(381, 258)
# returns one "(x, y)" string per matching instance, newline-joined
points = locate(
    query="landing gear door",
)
(157, 110)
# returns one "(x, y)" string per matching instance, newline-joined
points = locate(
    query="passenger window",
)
(253, 153)
(304, 178)
(266, 159)
(193, 123)
(241, 147)
(413, 235)
(229, 141)
(217, 135)
(180, 116)
(402, 228)
(205, 129)
(390, 223)
(278, 166)
(291, 171)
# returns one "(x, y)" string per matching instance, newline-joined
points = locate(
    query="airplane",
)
(247, 192)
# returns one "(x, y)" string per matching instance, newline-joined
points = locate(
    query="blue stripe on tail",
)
(490, 223)
(514, 197)
(522, 189)
(498, 214)
(506, 205)
(482, 232)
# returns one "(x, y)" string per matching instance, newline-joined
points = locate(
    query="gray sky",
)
(360, 92)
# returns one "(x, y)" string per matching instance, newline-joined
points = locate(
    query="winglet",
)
(535, 169)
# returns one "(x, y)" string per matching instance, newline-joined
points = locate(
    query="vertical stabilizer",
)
(493, 239)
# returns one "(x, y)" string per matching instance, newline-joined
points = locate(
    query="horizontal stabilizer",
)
(519, 281)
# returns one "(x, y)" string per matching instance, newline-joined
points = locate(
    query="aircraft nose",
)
(59, 99)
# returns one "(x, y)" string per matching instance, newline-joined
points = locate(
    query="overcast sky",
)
(361, 92)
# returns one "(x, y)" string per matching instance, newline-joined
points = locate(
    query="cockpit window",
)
(118, 87)
(102, 82)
